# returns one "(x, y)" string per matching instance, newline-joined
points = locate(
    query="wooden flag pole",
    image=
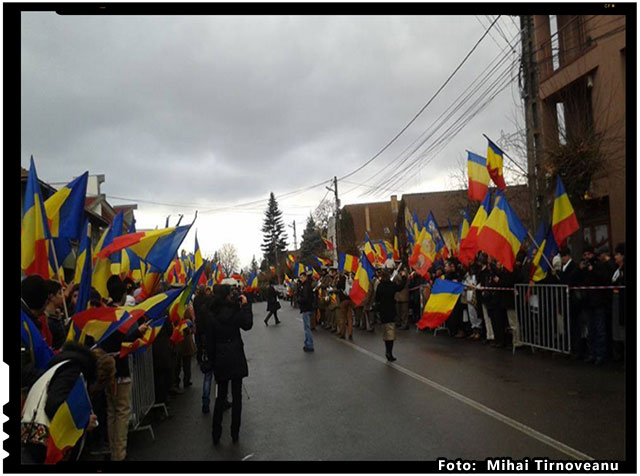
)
(55, 260)
(538, 247)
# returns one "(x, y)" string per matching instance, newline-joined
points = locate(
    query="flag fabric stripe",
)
(478, 176)
(494, 165)
(502, 234)
(564, 222)
(34, 250)
(65, 209)
(69, 422)
(440, 304)
(469, 246)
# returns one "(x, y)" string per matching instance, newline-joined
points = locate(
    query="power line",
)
(423, 107)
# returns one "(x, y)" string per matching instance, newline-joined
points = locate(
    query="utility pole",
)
(295, 240)
(336, 217)
(532, 119)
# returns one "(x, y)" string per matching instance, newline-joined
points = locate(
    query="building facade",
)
(574, 89)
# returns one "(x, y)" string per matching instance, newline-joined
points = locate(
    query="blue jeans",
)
(597, 333)
(308, 339)
(206, 389)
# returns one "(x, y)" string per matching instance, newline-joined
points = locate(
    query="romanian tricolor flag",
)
(396, 250)
(34, 236)
(65, 214)
(451, 239)
(69, 422)
(443, 298)
(101, 266)
(369, 250)
(156, 247)
(198, 262)
(178, 330)
(494, 165)
(220, 274)
(328, 244)
(547, 248)
(564, 221)
(179, 306)
(362, 281)
(83, 269)
(502, 234)
(322, 261)
(287, 280)
(252, 285)
(478, 176)
(469, 245)
(115, 230)
(464, 229)
(96, 322)
(143, 343)
(424, 253)
(434, 230)
(40, 351)
(315, 274)
(347, 263)
(298, 269)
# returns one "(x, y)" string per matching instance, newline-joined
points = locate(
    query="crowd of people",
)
(483, 313)
(217, 313)
(395, 301)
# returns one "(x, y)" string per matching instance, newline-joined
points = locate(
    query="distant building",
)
(379, 218)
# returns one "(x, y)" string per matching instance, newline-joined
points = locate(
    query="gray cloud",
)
(224, 109)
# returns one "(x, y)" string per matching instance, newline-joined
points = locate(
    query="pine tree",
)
(311, 242)
(273, 233)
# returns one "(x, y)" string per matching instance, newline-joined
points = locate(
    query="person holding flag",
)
(51, 427)
(385, 297)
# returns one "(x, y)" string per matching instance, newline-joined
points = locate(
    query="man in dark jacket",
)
(272, 303)
(570, 275)
(385, 297)
(226, 315)
(305, 302)
(595, 274)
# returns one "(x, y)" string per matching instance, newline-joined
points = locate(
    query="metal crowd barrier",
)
(544, 316)
(143, 395)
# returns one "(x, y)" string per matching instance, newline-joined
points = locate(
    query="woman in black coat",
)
(385, 298)
(226, 315)
(272, 304)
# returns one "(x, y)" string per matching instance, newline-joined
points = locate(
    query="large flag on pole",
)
(564, 221)
(503, 233)
(69, 422)
(434, 230)
(547, 247)
(494, 164)
(83, 269)
(347, 263)
(442, 300)
(478, 176)
(424, 253)
(469, 245)
(362, 282)
(34, 235)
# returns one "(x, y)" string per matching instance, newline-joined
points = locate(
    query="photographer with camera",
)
(226, 314)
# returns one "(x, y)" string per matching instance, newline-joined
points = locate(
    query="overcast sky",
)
(209, 112)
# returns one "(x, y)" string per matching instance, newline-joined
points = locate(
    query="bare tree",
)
(322, 213)
(228, 258)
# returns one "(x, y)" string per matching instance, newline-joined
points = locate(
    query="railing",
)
(143, 394)
(544, 316)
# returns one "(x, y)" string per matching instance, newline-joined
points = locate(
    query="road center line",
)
(527, 430)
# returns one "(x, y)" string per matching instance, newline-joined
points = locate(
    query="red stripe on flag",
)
(433, 319)
(477, 190)
(494, 244)
(565, 228)
(357, 293)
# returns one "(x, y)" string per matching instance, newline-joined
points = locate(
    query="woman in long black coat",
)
(385, 298)
(226, 315)
(272, 304)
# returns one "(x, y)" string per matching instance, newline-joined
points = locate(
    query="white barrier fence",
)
(544, 316)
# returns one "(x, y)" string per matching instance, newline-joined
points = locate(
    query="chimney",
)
(394, 204)
(367, 220)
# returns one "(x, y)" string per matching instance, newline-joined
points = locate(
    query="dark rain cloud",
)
(214, 110)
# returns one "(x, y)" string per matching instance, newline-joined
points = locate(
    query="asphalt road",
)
(442, 398)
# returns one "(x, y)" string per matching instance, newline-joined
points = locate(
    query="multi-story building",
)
(574, 69)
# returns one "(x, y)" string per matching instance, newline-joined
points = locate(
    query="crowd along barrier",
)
(543, 316)
(142, 391)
